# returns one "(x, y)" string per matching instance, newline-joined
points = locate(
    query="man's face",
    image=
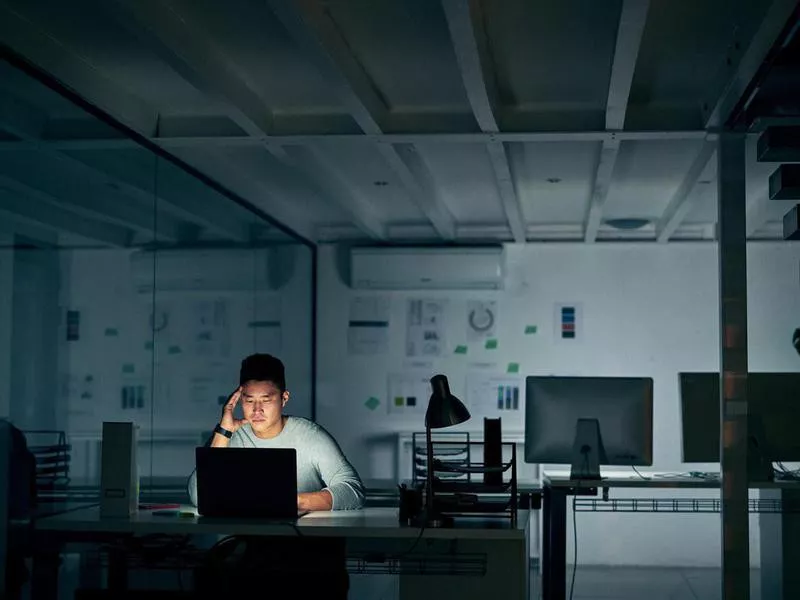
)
(262, 403)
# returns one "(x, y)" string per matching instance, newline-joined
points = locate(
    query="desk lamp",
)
(444, 410)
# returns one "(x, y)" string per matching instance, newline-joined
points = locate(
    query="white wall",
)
(183, 375)
(648, 310)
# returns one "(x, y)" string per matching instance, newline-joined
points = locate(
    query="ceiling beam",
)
(327, 177)
(310, 25)
(405, 161)
(683, 199)
(11, 224)
(507, 190)
(313, 30)
(600, 186)
(114, 212)
(742, 63)
(74, 68)
(626, 51)
(239, 141)
(57, 219)
(192, 53)
(465, 22)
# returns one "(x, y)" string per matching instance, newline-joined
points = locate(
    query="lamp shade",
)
(444, 409)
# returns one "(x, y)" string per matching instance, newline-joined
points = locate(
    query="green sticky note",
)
(372, 403)
(111, 332)
(530, 329)
(461, 350)
(174, 350)
(513, 368)
(148, 345)
(399, 401)
(491, 344)
(128, 368)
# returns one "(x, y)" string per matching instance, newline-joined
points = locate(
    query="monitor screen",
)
(621, 406)
(772, 404)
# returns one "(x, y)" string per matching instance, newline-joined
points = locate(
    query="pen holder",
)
(410, 503)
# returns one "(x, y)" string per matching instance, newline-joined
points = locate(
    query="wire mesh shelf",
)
(680, 505)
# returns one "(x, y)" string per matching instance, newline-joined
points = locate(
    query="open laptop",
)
(247, 482)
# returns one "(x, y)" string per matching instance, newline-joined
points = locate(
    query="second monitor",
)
(589, 421)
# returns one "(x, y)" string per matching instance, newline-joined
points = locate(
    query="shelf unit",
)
(459, 490)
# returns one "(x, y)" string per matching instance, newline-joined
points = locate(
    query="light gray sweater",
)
(321, 465)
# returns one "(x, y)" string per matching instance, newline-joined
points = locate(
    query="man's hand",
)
(227, 421)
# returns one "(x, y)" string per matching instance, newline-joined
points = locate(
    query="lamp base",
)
(432, 520)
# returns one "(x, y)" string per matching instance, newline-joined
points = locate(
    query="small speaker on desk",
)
(492, 450)
(119, 477)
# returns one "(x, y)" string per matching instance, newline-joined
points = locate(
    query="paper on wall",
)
(408, 393)
(481, 320)
(368, 326)
(492, 395)
(212, 334)
(425, 327)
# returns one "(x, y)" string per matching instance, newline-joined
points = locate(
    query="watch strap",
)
(222, 431)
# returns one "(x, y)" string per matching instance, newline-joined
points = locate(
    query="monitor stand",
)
(586, 450)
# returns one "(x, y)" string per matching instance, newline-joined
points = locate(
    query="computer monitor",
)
(589, 421)
(774, 424)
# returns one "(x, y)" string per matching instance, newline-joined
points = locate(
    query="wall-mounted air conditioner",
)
(211, 269)
(402, 268)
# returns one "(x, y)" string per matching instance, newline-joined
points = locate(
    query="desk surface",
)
(657, 481)
(375, 522)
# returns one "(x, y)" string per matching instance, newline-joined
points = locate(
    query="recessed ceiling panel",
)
(646, 175)
(553, 56)
(465, 180)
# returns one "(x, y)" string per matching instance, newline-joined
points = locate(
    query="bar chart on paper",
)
(493, 395)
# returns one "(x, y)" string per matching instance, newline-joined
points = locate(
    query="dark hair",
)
(263, 367)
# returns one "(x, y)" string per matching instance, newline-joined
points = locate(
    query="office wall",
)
(181, 347)
(644, 310)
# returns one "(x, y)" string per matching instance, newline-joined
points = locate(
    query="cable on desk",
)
(574, 548)
(635, 470)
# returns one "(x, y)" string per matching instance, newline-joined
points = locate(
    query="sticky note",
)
(128, 368)
(111, 332)
(174, 350)
(461, 350)
(531, 329)
(372, 403)
(513, 368)
(399, 401)
(491, 344)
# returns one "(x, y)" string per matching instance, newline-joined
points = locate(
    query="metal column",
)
(733, 353)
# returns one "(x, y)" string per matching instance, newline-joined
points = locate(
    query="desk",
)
(779, 528)
(503, 546)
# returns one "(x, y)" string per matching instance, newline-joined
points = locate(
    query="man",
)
(325, 479)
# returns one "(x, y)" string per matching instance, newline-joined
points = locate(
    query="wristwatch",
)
(222, 431)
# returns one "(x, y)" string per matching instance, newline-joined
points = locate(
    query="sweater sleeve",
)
(191, 486)
(338, 475)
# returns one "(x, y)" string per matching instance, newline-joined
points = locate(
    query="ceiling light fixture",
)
(627, 224)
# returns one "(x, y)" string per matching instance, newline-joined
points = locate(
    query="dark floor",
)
(647, 583)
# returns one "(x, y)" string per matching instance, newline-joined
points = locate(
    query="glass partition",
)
(130, 289)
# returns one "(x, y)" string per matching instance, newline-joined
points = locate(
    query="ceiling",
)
(390, 121)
